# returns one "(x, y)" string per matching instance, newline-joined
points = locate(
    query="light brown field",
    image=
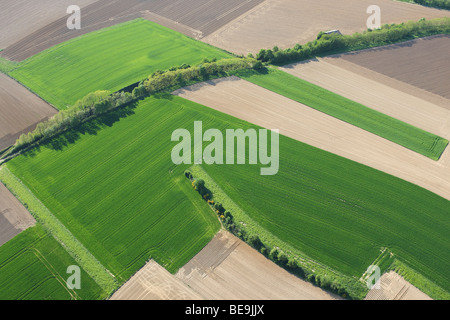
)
(153, 282)
(20, 111)
(394, 287)
(287, 22)
(228, 269)
(267, 109)
(392, 97)
(19, 18)
(14, 218)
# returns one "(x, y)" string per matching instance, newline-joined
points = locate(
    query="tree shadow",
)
(90, 127)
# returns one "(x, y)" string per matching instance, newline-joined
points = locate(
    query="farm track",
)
(196, 18)
(262, 107)
(287, 22)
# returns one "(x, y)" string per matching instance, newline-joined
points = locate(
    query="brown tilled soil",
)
(287, 22)
(20, 111)
(19, 18)
(267, 109)
(153, 282)
(423, 63)
(393, 287)
(14, 218)
(229, 269)
(195, 18)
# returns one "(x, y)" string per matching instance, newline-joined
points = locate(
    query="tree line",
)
(343, 286)
(100, 102)
(326, 44)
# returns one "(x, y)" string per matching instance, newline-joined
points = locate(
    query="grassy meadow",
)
(108, 59)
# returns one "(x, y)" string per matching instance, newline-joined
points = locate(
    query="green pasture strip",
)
(6, 65)
(72, 245)
(33, 266)
(299, 90)
(108, 59)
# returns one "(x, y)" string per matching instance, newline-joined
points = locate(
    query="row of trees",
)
(90, 106)
(334, 43)
(345, 287)
(100, 102)
(442, 4)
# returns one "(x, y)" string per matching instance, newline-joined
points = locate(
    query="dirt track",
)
(262, 107)
(287, 22)
(229, 269)
(394, 287)
(195, 18)
(14, 218)
(20, 111)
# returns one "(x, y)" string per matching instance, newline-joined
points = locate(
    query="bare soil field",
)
(196, 18)
(287, 22)
(18, 18)
(14, 218)
(423, 63)
(389, 96)
(153, 282)
(267, 109)
(20, 111)
(228, 269)
(394, 287)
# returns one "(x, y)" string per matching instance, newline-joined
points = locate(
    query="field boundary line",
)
(102, 276)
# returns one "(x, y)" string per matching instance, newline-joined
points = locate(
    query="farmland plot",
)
(71, 70)
(284, 23)
(193, 18)
(20, 111)
(14, 218)
(328, 202)
(19, 18)
(423, 63)
(255, 104)
(34, 267)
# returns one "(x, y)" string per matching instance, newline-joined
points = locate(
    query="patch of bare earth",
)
(393, 287)
(20, 111)
(14, 218)
(267, 109)
(287, 22)
(153, 282)
(228, 269)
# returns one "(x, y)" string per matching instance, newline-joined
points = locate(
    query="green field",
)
(112, 183)
(108, 59)
(118, 192)
(349, 111)
(33, 267)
